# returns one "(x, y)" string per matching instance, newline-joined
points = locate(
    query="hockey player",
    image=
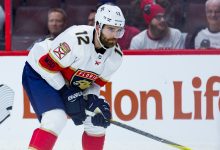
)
(64, 76)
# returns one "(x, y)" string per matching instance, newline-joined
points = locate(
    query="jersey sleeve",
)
(60, 56)
(53, 78)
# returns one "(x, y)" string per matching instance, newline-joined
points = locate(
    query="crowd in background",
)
(150, 24)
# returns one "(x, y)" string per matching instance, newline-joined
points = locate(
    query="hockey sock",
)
(42, 140)
(92, 143)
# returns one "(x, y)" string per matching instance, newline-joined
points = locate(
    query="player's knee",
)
(93, 130)
(54, 120)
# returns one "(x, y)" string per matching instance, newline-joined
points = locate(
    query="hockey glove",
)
(74, 103)
(100, 119)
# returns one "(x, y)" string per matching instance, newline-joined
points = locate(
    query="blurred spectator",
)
(91, 17)
(190, 37)
(209, 37)
(175, 14)
(56, 24)
(130, 31)
(158, 35)
(2, 21)
(56, 21)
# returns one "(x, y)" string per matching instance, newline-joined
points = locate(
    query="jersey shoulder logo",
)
(62, 50)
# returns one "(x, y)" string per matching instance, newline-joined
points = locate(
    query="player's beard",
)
(108, 43)
(159, 32)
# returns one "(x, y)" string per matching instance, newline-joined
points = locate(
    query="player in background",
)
(64, 76)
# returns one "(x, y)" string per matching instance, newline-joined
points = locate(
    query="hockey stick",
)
(122, 125)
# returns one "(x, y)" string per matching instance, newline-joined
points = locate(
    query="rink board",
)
(180, 106)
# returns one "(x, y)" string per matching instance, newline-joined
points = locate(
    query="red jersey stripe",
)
(101, 82)
(48, 63)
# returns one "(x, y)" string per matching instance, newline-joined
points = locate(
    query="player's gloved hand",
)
(74, 103)
(103, 117)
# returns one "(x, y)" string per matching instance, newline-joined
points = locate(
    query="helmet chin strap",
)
(98, 37)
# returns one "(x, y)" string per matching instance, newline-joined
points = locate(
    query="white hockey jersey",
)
(71, 57)
(205, 39)
(175, 40)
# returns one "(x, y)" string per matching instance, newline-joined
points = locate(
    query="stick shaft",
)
(122, 125)
(149, 135)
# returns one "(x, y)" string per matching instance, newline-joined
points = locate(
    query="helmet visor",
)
(117, 32)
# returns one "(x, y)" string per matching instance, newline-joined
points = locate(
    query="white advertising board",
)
(173, 97)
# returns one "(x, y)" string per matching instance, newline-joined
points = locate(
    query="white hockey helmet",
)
(110, 15)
